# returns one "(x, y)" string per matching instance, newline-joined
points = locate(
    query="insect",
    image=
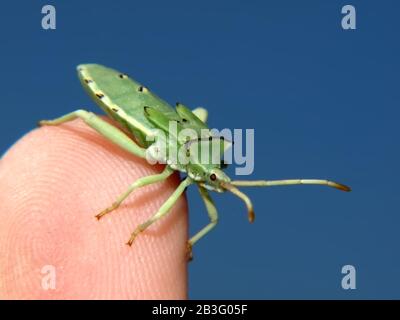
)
(140, 112)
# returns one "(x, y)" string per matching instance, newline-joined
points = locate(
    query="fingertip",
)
(53, 182)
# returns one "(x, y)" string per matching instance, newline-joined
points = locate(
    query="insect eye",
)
(213, 177)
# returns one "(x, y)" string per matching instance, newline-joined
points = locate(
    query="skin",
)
(52, 183)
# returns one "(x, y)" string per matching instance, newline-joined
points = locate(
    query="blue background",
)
(324, 102)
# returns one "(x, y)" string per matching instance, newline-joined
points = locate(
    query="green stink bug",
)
(142, 115)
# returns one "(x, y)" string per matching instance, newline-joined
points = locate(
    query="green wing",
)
(123, 99)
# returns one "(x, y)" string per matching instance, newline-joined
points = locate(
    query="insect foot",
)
(42, 123)
(135, 233)
(189, 253)
(107, 210)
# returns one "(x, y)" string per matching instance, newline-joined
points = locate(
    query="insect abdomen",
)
(122, 98)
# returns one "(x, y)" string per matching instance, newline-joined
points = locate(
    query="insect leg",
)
(137, 184)
(164, 209)
(103, 127)
(212, 213)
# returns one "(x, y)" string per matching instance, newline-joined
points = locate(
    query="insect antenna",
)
(270, 183)
(245, 198)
